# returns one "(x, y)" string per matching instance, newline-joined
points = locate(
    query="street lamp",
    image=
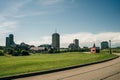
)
(110, 46)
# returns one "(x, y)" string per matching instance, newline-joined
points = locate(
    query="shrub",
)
(24, 53)
(1, 53)
(15, 53)
(51, 51)
(10, 51)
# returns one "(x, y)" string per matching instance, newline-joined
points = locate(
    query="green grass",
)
(10, 65)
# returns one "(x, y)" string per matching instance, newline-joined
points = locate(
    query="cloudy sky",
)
(34, 21)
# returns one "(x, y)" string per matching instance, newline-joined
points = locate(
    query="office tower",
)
(7, 42)
(74, 46)
(104, 45)
(71, 47)
(76, 42)
(10, 40)
(56, 41)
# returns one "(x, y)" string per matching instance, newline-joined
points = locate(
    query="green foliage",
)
(16, 51)
(51, 51)
(38, 62)
(85, 49)
(1, 53)
(116, 50)
(24, 53)
(105, 51)
(9, 51)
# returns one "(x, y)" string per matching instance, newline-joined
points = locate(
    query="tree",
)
(24, 53)
(9, 51)
(51, 50)
(1, 53)
(15, 53)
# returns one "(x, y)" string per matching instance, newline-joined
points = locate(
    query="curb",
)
(51, 71)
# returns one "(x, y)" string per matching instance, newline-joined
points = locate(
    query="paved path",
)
(104, 71)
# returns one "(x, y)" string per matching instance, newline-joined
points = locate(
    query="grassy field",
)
(10, 65)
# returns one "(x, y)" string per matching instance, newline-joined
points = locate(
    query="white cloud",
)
(85, 39)
(32, 42)
(1, 18)
(43, 40)
(15, 10)
(12, 8)
(7, 26)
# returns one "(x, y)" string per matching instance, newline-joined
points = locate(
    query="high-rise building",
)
(76, 42)
(7, 42)
(104, 45)
(10, 40)
(56, 41)
(74, 46)
(71, 47)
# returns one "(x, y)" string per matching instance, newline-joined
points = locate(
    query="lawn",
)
(10, 65)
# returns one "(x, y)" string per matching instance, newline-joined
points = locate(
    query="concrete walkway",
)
(104, 71)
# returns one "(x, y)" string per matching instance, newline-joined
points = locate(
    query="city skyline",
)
(34, 21)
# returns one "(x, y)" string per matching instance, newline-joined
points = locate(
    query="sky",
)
(34, 21)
